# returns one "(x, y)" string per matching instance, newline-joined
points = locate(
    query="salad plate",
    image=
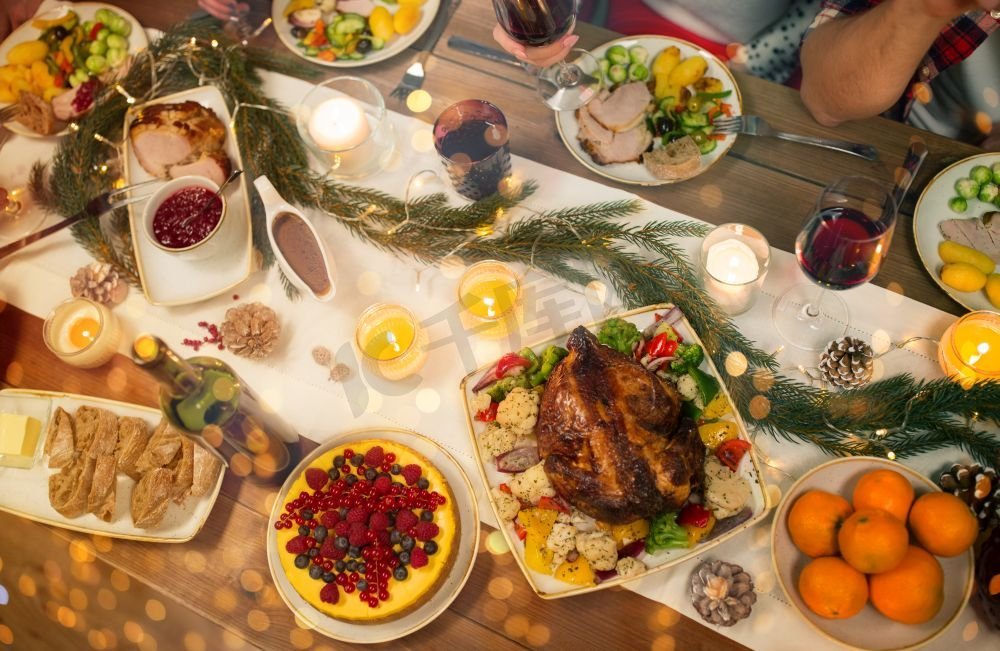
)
(714, 87)
(343, 35)
(653, 543)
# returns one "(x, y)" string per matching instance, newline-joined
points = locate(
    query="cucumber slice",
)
(707, 146)
(351, 23)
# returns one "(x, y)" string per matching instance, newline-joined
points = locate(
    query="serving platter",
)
(868, 629)
(428, 11)
(25, 492)
(549, 587)
(85, 10)
(636, 173)
(168, 279)
(466, 547)
(932, 208)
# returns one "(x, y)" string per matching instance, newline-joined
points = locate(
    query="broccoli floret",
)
(502, 387)
(687, 357)
(552, 356)
(665, 533)
(620, 335)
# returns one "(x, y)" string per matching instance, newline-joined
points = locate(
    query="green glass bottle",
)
(201, 392)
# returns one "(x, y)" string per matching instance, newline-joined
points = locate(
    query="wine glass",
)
(841, 245)
(572, 82)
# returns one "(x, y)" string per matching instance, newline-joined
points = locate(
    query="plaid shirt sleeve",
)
(955, 43)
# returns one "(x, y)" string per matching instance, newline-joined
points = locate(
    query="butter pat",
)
(18, 440)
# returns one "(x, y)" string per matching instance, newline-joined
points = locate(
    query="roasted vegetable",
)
(688, 356)
(552, 356)
(666, 61)
(665, 533)
(620, 335)
(688, 71)
(731, 452)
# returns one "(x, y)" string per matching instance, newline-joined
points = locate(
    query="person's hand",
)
(540, 56)
(954, 8)
(19, 13)
(223, 9)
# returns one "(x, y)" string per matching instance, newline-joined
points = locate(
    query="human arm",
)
(859, 66)
(222, 9)
(16, 14)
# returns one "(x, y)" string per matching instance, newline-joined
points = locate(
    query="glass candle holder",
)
(82, 333)
(472, 139)
(391, 341)
(969, 351)
(734, 261)
(489, 290)
(344, 122)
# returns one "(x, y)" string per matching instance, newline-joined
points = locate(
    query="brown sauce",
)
(299, 247)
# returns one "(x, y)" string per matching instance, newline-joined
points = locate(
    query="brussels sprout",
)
(981, 174)
(97, 47)
(97, 64)
(103, 34)
(618, 54)
(120, 26)
(638, 54)
(104, 16)
(117, 42)
(967, 188)
(958, 204)
(996, 173)
(617, 73)
(116, 57)
(638, 72)
(605, 66)
(988, 192)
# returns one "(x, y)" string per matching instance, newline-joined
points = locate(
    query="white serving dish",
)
(548, 587)
(636, 173)
(169, 279)
(217, 240)
(25, 492)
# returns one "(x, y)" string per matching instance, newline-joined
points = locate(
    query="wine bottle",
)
(198, 392)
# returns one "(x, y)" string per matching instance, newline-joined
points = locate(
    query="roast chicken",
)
(612, 438)
(165, 136)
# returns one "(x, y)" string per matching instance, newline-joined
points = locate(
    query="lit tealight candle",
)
(82, 333)
(969, 351)
(339, 124)
(489, 290)
(392, 341)
(734, 260)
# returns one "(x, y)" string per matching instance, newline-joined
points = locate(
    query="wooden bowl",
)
(869, 629)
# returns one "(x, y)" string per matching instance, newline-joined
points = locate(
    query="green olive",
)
(699, 138)
(694, 104)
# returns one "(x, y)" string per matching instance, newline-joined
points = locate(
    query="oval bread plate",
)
(399, 42)
(932, 209)
(868, 629)
(25, 492)
(171, 280)
(636, 173)
(137, 41)
(437, 602)
(548, 587)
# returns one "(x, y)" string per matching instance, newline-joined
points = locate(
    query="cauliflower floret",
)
(507, 506)
(480, 401)
(532, 485)
(688, 389)
(725, 491)
(496, 440)
(519, 411)
(562, 540)
(629, 566)
(599, 549)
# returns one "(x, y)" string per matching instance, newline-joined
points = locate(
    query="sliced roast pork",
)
(980, 233)
(622, 109)
(165, 135)
(213, 165)
(607, 147)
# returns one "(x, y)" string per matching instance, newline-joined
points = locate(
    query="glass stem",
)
(812, 309)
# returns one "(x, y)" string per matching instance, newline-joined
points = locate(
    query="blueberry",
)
(430, 547)
(329, 577)
(313, 553)
(354, 552)
(341, 543)
(343, 512)
(351, 479)
(334, 474)
(340, 566)
(303, 530)
(301, 561)
(315, 572)
(307, 514)
(352, 566)
(426, 516)
(361, 568)
(338, 461)
(395, 537)
(371, 474)
(362, 585)
(396, 469)
(399, 573)
(406, 543)
(404, 557)
(319, 533)
(423, 484)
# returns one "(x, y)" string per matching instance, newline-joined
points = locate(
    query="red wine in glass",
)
(535, 23)
(841, 247)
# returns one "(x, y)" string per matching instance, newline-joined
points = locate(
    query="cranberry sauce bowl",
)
(186, 218)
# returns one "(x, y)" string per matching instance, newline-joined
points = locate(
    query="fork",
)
(413, 78)
(5, 135)
(8, 113)
(753, 125)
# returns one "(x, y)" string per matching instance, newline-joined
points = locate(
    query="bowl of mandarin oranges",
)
(872, 554)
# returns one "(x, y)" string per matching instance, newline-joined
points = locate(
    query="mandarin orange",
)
(873, 541)
(913, 591)
(833, 589)
(884, 489)
(943, 524)
(814, 520)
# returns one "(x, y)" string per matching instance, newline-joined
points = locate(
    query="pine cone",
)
(722, 592)
(976, 487)
(847, 363)
(251, 330)
(99, 282)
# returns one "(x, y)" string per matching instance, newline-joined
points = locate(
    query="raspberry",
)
(358, 535)
(418, 558)
(411, 474)
(374, 456)
(329, 519)
(425, 531)
(357, 514)
(383, 485)
(382, 537)
(329, 594)
(327, 550)
(341, 528)
(337, 554)
(406, 519)
(316, 478)
(378, 521)
(297, 545)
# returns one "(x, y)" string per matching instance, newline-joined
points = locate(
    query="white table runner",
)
(37, 279)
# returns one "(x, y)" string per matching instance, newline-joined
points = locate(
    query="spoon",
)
(235, 174)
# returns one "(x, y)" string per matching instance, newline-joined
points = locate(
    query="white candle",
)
(732, 262)
(82, 333)
(339, 124)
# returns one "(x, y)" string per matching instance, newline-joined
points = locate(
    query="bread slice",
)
(96, 431)
(680, 159)
(150, 498)
(133, 436)
(70, 487)
(103, 489)
(206, 471)
(183, 468)
(59, 445)
(163, 446)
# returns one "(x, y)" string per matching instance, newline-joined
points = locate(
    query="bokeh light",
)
(419, 101)
(422, 140)
(194, 642)
(496, 543)
(983, 122)
(759, 407)
(495, 611)
(538, 635)
(119, 580)
(155, 610)
(736, 363)
(26, 585)
(106, 599)
(500, 587)
(251, 580)
(663, 642)
(6, 635)
(516, 626)
(300, 639)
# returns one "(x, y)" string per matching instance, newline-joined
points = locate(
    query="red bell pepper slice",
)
(521, 530)
(662, 346)
(694, 515)
(552, 504)
(94, 31)
(716, 136)
(731, 452)
(727, 109)
(510, 362)
(489, 414)
(504, 488)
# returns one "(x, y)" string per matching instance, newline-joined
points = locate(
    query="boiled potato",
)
(28, 52)
(664, 88)
(993, 289)
(708, 85)
(688, 71)
(954, 252)
(963, 277)
(7, 96)
(666, 61)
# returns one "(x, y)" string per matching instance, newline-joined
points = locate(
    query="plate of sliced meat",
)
(652, 124)
(956, 226)
(105, 467)
(187, 134)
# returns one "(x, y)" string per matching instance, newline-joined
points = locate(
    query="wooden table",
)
(74, 591)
